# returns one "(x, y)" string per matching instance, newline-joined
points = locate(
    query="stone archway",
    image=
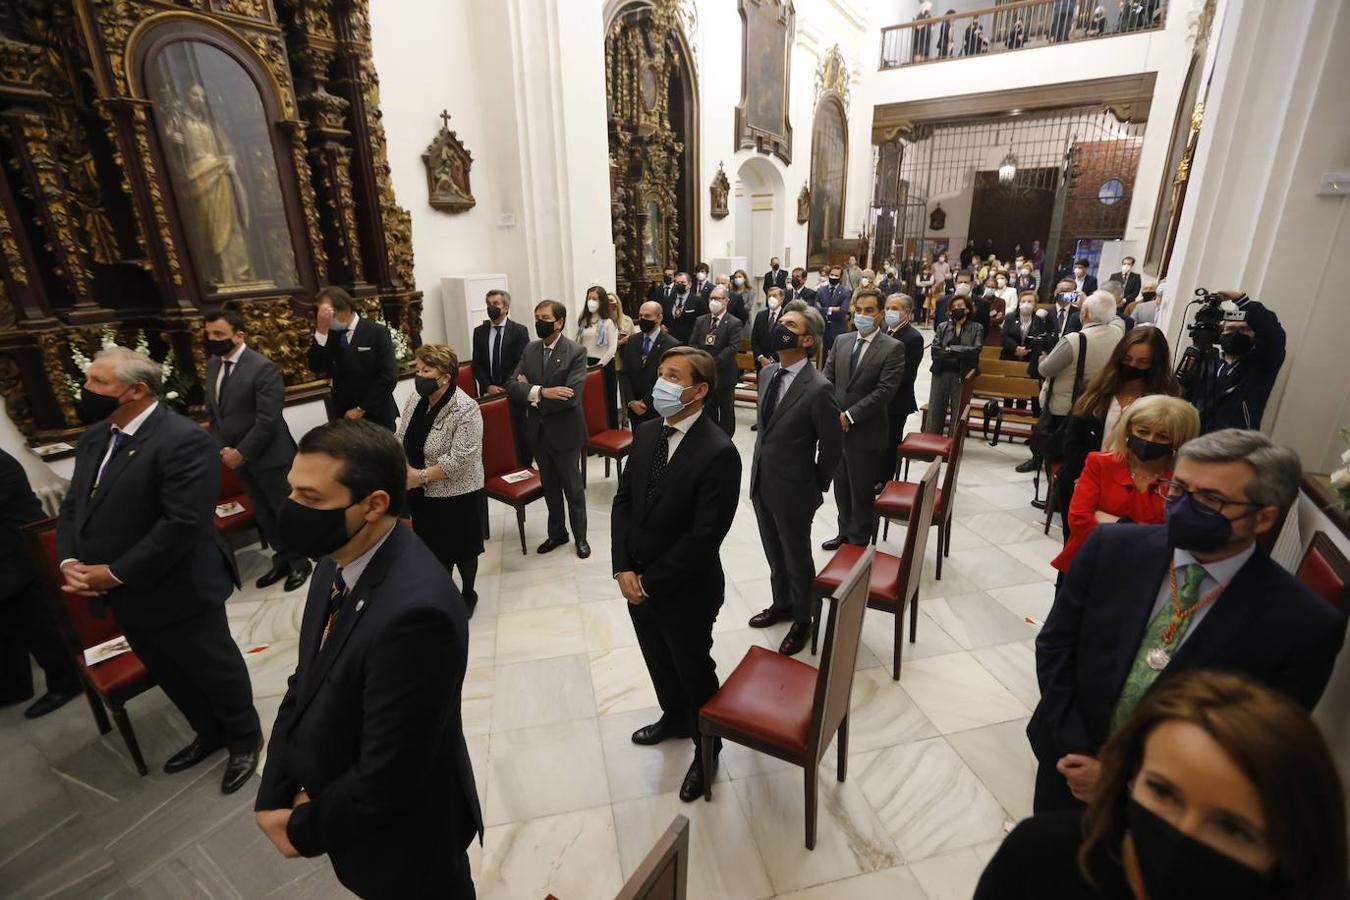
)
(761, 214)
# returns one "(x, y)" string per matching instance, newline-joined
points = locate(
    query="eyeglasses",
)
(1207, 501)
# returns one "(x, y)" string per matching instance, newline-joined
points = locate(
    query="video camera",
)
(1040, 343)
(1209, 319)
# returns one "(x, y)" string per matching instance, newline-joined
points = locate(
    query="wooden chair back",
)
(1326, 572)
(664, 873)
(839, 656)
(916, 535)
(953, 466)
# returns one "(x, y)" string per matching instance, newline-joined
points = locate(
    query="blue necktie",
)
(646, 346)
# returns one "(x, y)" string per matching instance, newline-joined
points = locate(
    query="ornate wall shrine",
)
(160, 158)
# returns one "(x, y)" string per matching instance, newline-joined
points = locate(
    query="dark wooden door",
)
(1012, 217)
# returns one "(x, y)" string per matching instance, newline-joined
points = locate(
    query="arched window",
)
(829, 169)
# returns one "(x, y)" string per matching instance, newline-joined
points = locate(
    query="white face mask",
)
(1080, 272)
(774, 302)
(701, 276)
(864, 281)
(715, 307)
(1126, 268)
(740, 282)
(1003, 282)
(1026, 308)
(592, 306)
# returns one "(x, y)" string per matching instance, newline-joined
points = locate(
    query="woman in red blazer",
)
(1119, 483)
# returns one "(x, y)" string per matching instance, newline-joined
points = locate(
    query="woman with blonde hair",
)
(1216, 786)
(442, 434)
(1120, 483)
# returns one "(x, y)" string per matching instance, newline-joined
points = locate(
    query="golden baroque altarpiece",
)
(161, 158)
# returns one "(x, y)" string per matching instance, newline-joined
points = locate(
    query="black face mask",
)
(958, 315)
(1175, 866)
(647, 325)
(314, 532)
(1148, 295)
(773, 266)
(425, 385)
(781, 338)
(494, 313)
(834, 279)
(797, 283)
(1130, 373)
(218, 347)
(1147, 451)
(668, 279)
(544, 329)
(681, 289)
(96, 407)
(1235, 343)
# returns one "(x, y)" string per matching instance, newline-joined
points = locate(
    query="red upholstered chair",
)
(921, 445)
(899, 499)
(499, 459)
(465, 381)
(664, 874)
(113, 682)
(232, 491)
(784, 707)
(611, 443)
(1326, 571)
(895, 579)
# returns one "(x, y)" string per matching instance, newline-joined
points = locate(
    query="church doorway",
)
(761, 202)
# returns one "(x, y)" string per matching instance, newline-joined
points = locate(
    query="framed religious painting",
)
(762, 121)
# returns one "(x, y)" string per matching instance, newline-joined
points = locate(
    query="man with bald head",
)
(641, 359)
(718, 332)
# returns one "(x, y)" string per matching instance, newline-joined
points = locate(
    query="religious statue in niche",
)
(804, 205)
(937, 219)
(447, 164)
(653, 235)
(720, 190)
(766, 45)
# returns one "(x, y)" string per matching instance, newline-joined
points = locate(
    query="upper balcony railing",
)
(1015, 26)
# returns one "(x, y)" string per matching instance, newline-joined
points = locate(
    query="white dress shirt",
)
(351, 572)
(1216, 574)
(322, 339)
(677, 436)
(791, 372)
(866, 340)
(232, 359)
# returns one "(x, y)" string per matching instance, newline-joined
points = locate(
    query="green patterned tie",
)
(1142, 675)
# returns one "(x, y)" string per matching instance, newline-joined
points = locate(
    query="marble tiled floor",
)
(938, 762)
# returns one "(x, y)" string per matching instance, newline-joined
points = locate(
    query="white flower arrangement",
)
(108, 340)
(402, 349)
(1340, 479)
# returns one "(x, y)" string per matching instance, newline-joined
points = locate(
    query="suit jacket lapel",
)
(795, 390)
(679, 460)
(124, 456)
(86, 469)
(1235, 611)
(1153, 557)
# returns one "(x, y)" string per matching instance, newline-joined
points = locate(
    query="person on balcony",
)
(923, 35)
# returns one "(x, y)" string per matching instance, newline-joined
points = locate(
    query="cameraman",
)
(1240, 380)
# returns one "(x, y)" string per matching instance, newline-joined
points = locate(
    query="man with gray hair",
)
(718, 332)
(1144, 603)
(137, 534)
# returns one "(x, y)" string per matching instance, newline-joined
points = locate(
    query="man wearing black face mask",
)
(136, 534)
(777, 276)
(797, 289)
(687, 305)
(498, 345)
(245, 398)
(833, 299)
(1253, 347)
(641, 360)
(1141, 603)
(663, 291)
(367, 761)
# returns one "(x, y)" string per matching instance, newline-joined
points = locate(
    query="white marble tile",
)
(621, 680)
(1001, 758)
(573, 854)
(965, 537)
(270, 666)
(850, 840)
(540, 771)
(724, 861)
(476, 700)
(951, 876)
(998, 528)
(1014, 665)
(635, 771)
(539, 634)
(541, 692)
(991, 567)
(956, 693)
(274, 620)
(928, 799)
(1038, 551)
(898, 883)
(881, 714)
(1003, 496)
(482, 639)
(552, 588)
(607, 625)
(1027, 601)
(931, 640)
(977, 620)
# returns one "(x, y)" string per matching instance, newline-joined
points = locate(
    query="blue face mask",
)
(667, 398)
(892, 318)
(864, 324)
(1190, 527)
(337, 327)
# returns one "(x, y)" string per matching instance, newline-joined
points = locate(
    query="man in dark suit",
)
(797, 451)
(1252, 352)
(26, 624)
(359, 357)
(1026, 322)
(1065, 318)
(136, 534)
(548, 381)
(900, 326)
(367, 762)
(497, 346)
(685, 309)
(719, 333)
(663, 292)
(832, 299)
(763, 327)
(641, 359)
(1084, 283)
(797, 289)
(1130, 278)
(1143, 603)
(703, 282)
(245, 398)
(676, 500)
(865, 367)
(776, 277)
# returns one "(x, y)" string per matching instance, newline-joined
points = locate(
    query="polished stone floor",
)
(939, 765)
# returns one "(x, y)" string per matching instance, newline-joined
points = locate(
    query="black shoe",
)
(239, 768)
(50, 702)
(470, 603)
(693, 786)
(767, 617)
(297, 578)
(190, 755)
(550, 544)
(834, 543)
(657, 732)
(1030, 465)
(795, 639)
(271, 578)
(583, 549)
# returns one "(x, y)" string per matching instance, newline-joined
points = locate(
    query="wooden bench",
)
(1004, 379)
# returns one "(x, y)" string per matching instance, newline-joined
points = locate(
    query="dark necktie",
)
(347, 338)
(1063, 317)
(119, 440)
(224, 379)
(495, 372)
(660, 456)
(335, 598)
(646, 346)
(853, 357)
(771, 396)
